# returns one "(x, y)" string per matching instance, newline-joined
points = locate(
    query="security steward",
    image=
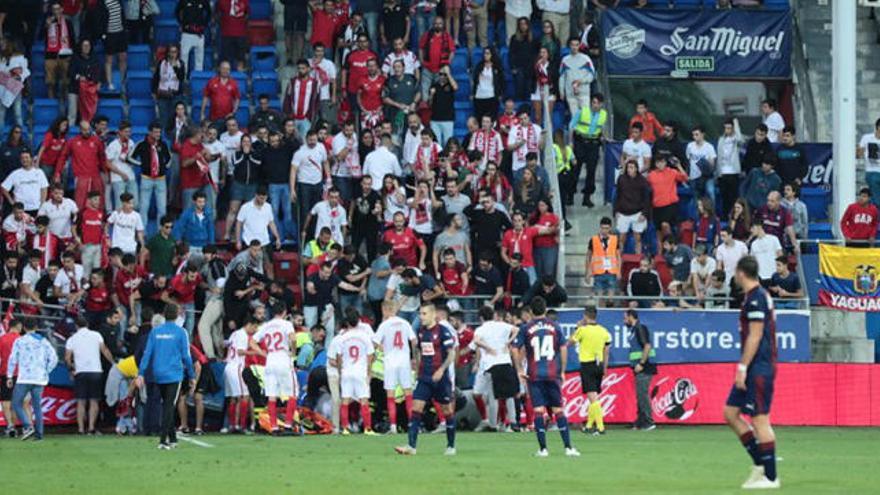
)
(587, 127)
(594, 343)
(603, 260)
(641, 354)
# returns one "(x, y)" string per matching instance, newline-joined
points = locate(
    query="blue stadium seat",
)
(817, 200)
(241, 78)
(138, 133)
(460, 63)
(243, 115)
(166, 9)
(37, 136)
(139, 57)
(38, 85)
(209, 58)
(464, 89)
(166, 32)
(266, 82)
(139, 84)
(260, 9)
(820, 231)
(37, 60)
(687, 207)
(141, 112)
(197, 82)
(504, 53)
(263, 58)
(463, 110)
(112, 109)
(45, 111)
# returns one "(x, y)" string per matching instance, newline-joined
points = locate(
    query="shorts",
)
(115, 43)
(353, 387)
(483, 384)
(441, 391)
(666, 214)
(536, 96)
(625, 223)
(452, 4)
(243, 192)
(6, 392)
(505, 382)
(233, 383)
(398, 376)
(88, 386)
(606, 282)
(755, 400)
(233, 47)
(545, 393)
(591, 377)
(278, 381)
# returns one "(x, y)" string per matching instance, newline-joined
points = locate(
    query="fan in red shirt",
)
(87, 159)
(520, 239)
(192, 176)
(184, 285)
(325, 26)
(97, 300)
(45, 241)
(53, 144)
(331, 256)
(859, 222)
(127, 285)
(222, 93)
(405, 244)
(233, 15)
(436, 47)
(369, 96)
(453, 275)
(355, 70)
(546, 245)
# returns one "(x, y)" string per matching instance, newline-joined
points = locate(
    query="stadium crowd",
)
(356, 193)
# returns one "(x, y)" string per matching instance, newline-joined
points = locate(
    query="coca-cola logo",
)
(675, 399)
(576, 402)
(58, 405)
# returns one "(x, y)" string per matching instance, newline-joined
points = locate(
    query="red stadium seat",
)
(287, 266)
(663, 270)
(261, 33)
(629, 262)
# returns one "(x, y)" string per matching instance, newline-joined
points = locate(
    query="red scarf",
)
(486, 143)
(425, 161)
(57, 37)
(154, 158)
(530, 137)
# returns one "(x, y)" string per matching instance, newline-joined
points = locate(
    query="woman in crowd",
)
(487, 85)
(85, 78)
(707, 228)
(545, 81)
(632, 204)
(10, 151)
(551, 42)
(247, 175)
(168, 83)
(546, 246)
(497, 184)
(528, 193)
(366, 145)
(53, 143)
(740, 220)
(15, 65)
(521, 55)
(393, 199)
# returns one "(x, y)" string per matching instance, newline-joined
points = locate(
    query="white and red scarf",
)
(426, 160)
(301, 95)
(487, 142)
(58, 38)
(527, 134)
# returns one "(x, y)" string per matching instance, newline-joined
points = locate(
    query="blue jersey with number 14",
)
(542, 340)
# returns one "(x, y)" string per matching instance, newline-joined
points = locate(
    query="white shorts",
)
(398, 376)
(625, 223)
(233, 383)
(278, 381)
(354, 387)
(483, 384)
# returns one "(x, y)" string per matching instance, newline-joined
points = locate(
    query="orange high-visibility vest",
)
(604, 260)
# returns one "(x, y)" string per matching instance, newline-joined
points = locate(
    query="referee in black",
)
(640, 353)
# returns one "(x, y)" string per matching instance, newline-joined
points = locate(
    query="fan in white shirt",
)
(773, 120)
(635, 148)
(27, 185)
(309, 163)
(524, 138)
(128, 228)
(255, 220)
(381, 162)
(61, 212)
(331, 214)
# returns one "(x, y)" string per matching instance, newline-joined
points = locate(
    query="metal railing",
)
(550, 167)
(805, 104)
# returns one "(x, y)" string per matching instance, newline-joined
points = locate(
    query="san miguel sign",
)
(708, 43)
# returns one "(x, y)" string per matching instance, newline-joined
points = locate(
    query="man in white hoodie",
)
(576, 72)
(35, 358)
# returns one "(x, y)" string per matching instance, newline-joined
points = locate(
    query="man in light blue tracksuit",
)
(35, 358)
(168, 358)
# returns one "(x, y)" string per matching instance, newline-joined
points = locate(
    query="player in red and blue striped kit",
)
(436, 353)
(752, 392)
(543, 344)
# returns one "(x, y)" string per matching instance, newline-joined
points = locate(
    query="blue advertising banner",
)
(818, 175)
(709, 336)
(707, 43)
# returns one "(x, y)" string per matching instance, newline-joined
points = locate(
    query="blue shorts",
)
(755, 400)
(545, 393)
(243, 192)
(428, 390)
(605, 282)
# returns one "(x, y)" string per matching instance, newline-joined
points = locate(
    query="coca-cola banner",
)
(821, 394)
(59, 407)
(704, 336)
(706, 43)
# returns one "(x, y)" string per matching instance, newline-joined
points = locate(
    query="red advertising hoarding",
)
(59, 407)
(804, 394)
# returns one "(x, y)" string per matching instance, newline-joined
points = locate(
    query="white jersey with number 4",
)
(276, 335)
(354, 349)
(395, 335)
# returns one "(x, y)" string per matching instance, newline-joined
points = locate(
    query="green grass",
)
(674, 460)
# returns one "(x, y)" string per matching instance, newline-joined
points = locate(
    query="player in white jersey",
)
(395, 338)
(279, 379)
(493, 339)
(353, 356)
(237, 349)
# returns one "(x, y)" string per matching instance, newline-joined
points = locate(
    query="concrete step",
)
(843, 350)
(827, 323)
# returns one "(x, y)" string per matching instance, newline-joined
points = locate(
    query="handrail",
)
(806, 105)
(550, 168)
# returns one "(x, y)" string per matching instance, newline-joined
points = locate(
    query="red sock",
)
(273, 414)
(343, 415)
(366, 416)
(481, 406)
(439, 410)
(290, 412)
(244, 413)
(502, 412)
(392, 409)
(530, 411)
(408, 401)
(230, 413)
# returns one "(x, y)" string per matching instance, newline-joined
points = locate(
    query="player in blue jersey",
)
(436, 353)
(752, 392)
(544, 347)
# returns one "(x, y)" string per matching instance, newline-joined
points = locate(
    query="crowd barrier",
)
(816, 394)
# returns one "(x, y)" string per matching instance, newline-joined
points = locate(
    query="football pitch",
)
(705, 460)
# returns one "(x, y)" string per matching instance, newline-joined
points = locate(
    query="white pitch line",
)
(194, 441)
